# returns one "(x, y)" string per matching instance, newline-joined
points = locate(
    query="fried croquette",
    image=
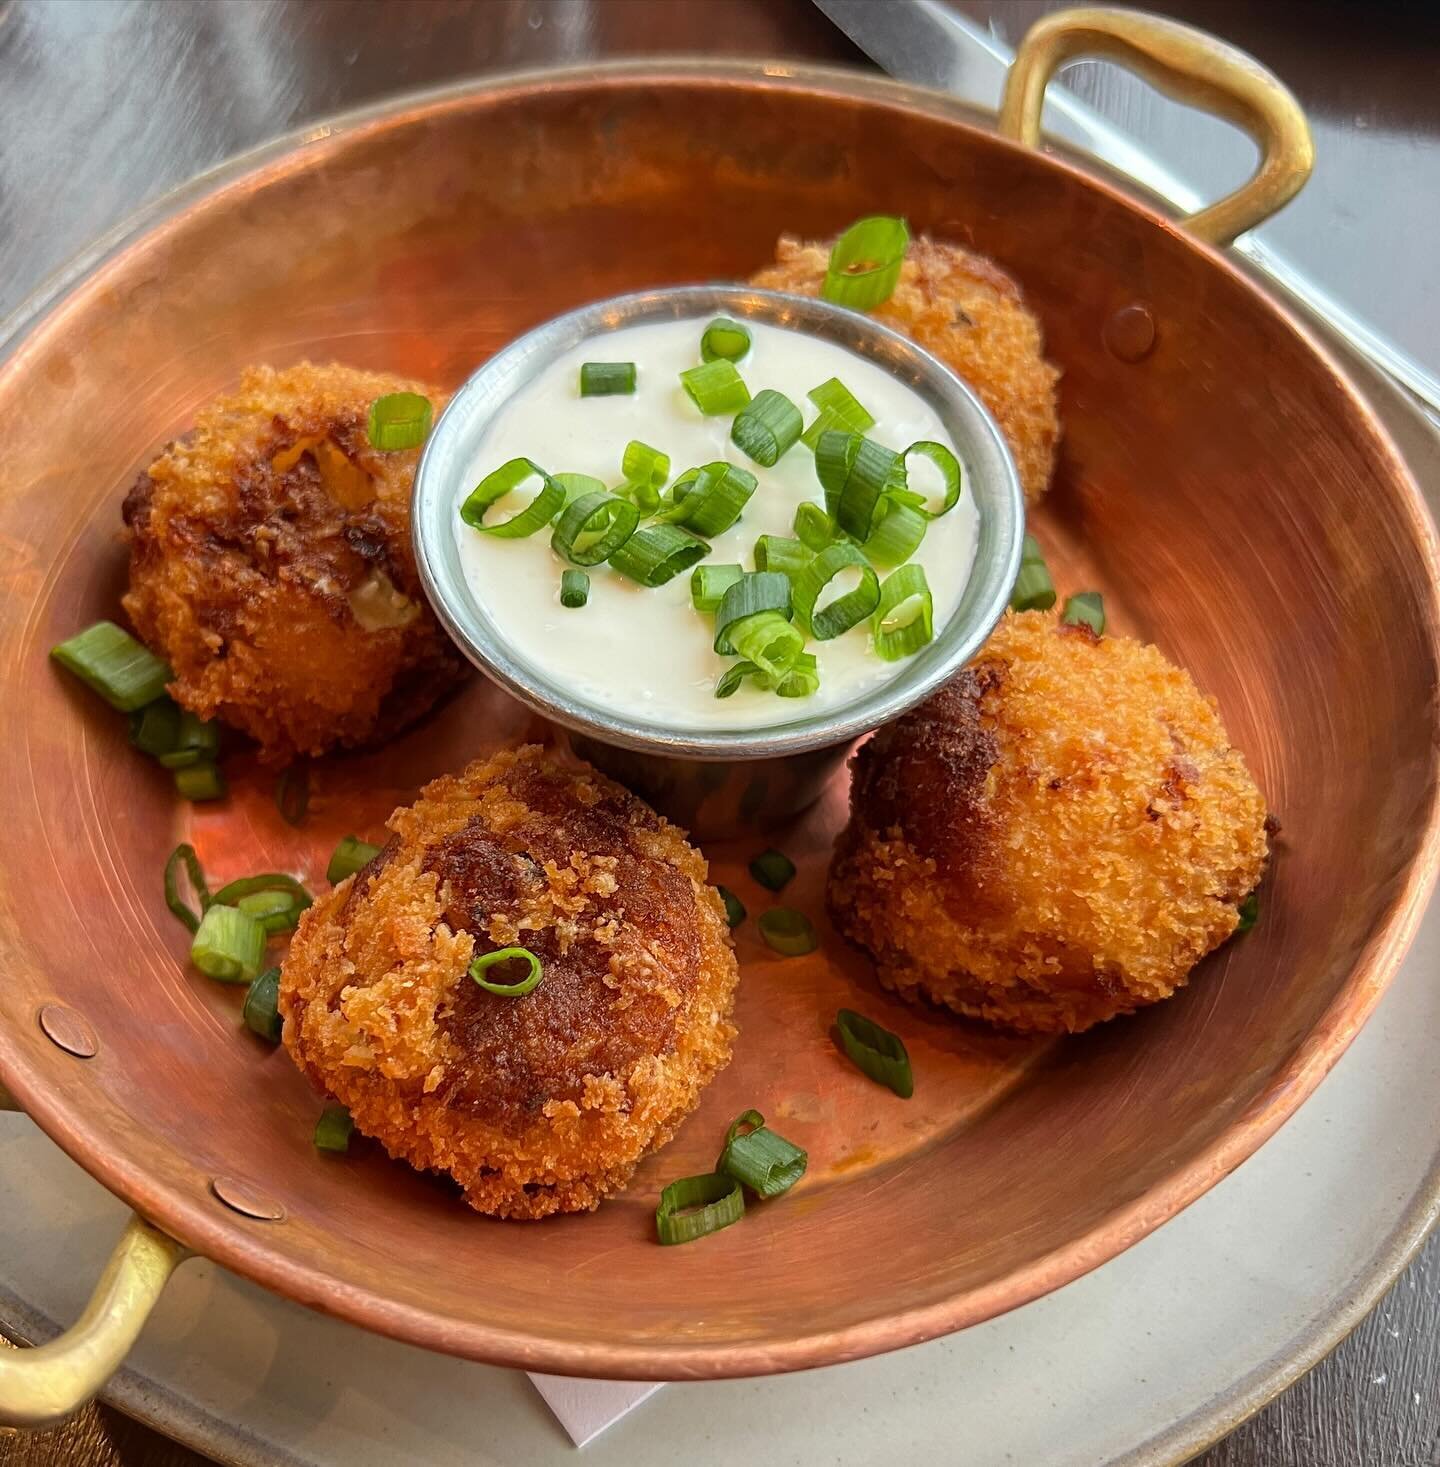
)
(970, 314)
(270, 564)
(543, 1103)
(1056, 838)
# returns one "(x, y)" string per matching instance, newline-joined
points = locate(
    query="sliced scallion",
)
(543, 508)
(839, 412)
(658, 553)
(228, 945)
(578, 485)
(1033, 589)
(399, 420)
(534, 971)
(769, 640)
(788, 932)
(767, 427)
(107, 659)
(773, 870)
(199, 782)
(274, 899)
(729, 681)
(607, 379)
(855, 472)
(574, 589)
(759, 1158)
(865, 263)
(734, 907)
(844, 611)
(951, 477)
(708, 584)
(1249, 911)
(813, 527)
(292, 793)
(334, 1129)
(878, 1052)
(903, 621)
(708, 500)
(694, 1207)
(724, 338)
(183, 856)
(196, 742)
(895, 531)
(641, 464)
(261, 1012)
(593, 528)
(1087, 609)
(155, 728)
(755, 591)
(715, 387)
(802, 679)
(350, 856)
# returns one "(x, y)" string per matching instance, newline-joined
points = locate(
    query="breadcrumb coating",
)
(1055, 838)
(270, 564)
(970, 314)
(538, 1104)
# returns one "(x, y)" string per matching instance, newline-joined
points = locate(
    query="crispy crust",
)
(538, 1104)
(1054, 839)
(972, 315)
(270, 563)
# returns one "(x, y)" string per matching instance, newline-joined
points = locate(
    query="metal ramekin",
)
(715, 781)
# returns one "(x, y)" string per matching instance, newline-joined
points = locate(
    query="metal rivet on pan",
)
(243, 1198)
(66, 1028)
(1130, 333)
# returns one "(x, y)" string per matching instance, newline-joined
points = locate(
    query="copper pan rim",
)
(240, 1247)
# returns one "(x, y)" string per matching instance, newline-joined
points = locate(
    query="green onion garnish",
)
(1249, 911)
(292, 793)
(766, 427)
(578, 485)
(696, 1206)
(904, 617)
(350, 856)
(881, 1054)
(755, 591)
(802, 679)
(708, 500)
(709, 583)
(773, 869)
(262, 1006)
(716, 387)
(196, 742)
(228, 946)
(865, 263)
(724, 338)
(273, 899)
(574, 588)
(839, 411)
(788, 932)
(769, 640)
(184, 855)
(1033, 589)
(334, 1129)
(399, 420)
(594, 527)
(813, 527)
(734, 907)
(197, 782)
(644, 470)
(844, 611)
(510, 476)
(729, 680)
(155, 728)
(758, 1158)
(895, 532)
(950, 474)
(1085, 608)
(527, 984)
(606, 379)
(658, 553)
(109, 660)
(855, 472)
(776, 553)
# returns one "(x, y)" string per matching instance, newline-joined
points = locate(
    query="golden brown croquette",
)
(543, 1103)
(270, 564)
(1057, 837)
(970, 314)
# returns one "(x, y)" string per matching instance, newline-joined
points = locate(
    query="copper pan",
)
(1220, 480)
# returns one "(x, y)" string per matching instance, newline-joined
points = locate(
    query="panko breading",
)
(270, 564)
(543, 1103)
(1057, 837)
(970, 314)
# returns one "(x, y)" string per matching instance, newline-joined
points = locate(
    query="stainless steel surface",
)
(754, 778)
(106, 103)
(1177, 153)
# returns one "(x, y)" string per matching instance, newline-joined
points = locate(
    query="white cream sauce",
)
(647, 653)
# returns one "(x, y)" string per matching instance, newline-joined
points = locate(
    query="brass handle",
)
(1190, 66)
(42, 1386)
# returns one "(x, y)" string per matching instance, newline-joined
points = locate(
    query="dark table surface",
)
(106, 103)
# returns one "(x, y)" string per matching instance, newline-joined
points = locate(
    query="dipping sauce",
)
(646, 652)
